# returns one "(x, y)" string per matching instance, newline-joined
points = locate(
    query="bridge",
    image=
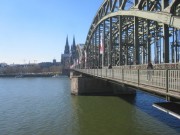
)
(162, 82)
(127, 34)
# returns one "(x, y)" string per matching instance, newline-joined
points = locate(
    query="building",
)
(65, 58)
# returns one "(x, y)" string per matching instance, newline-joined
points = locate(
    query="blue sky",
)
(36, 30)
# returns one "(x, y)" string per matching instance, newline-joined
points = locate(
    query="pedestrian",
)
(149, 71)
(110, 66)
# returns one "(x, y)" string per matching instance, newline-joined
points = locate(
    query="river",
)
(45, 106)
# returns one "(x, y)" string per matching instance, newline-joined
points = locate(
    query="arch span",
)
(134, 32)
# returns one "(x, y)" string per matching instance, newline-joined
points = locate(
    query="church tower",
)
(66, 50)
(73, 48)
(65, 58)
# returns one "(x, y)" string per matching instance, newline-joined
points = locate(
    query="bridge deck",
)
(162, 82)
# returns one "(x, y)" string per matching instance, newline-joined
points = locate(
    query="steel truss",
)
(134, 32)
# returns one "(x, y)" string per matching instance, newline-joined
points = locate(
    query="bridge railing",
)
(131, 76)
(158, 78)
(166, 80)
(173, 80)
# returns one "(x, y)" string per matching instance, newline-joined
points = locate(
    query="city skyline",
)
(36, 30)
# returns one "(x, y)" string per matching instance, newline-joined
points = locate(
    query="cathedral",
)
(67, 59)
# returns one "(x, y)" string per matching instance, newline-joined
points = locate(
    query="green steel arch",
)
(134, 32)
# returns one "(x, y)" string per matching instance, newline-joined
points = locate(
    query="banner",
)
(101, 44)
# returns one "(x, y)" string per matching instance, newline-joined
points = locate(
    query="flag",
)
(85, 55)
(101, 44)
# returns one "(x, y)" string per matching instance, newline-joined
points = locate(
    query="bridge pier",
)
(88, 85)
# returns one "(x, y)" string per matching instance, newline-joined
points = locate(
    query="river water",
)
(44, 106)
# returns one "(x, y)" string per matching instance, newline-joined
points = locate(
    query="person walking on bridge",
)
(149, 71)
(110, 66)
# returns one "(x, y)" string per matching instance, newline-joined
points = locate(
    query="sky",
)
(34, 31)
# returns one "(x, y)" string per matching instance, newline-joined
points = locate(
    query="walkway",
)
(162, 82)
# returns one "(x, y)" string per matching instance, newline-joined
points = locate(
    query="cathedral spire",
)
(66, 50)
(73, 49)
(74, 41)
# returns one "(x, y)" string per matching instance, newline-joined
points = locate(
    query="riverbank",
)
(29, 75)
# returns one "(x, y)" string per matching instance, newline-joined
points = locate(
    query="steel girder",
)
(134, 32)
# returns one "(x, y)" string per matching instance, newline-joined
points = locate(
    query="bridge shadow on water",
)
(144, 101)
